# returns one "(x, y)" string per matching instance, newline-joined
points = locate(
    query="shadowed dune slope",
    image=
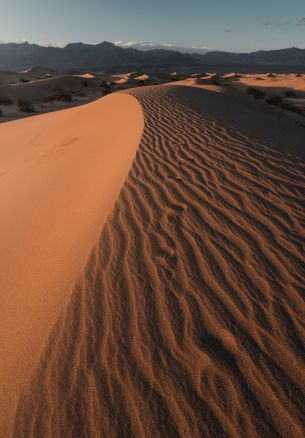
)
(60, 175)
(188, 320)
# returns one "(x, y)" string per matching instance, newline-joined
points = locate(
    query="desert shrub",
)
(214, 82)
(24, 81)
(255, 92)
(4, 100)
(105, 84)
(1, 113)
(271, 75)
(49, 99)
(105, 92)
(175, 79)
(141, 82)
(85, 83)
(60, 95)
(25, 106)
(274, 100)
(64, 97)
(290, 93)
(290, 107)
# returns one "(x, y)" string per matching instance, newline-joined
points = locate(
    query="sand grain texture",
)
(188, 320)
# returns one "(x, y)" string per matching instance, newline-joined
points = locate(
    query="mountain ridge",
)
(106, 55)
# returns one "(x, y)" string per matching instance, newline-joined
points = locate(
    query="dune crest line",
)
(188, 320)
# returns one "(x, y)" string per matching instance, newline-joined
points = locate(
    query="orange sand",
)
(59, 176)
(188, 320)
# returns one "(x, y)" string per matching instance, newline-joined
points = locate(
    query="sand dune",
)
(276, 82)
(188, 320)
(38, 89)
(60, 174)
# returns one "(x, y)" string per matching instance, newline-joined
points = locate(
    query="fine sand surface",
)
(60, 175)
(188, 319)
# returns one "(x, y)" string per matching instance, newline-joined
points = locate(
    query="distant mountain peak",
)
(106, 44)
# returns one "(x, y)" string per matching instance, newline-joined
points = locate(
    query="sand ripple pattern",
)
(189, 318)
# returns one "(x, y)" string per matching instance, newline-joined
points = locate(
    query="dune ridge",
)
(60, 175)
(188, 320)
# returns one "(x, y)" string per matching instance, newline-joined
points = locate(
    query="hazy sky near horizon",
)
(236, 25)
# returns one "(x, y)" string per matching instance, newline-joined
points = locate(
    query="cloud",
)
(300, 22)
(127, 44)
(275, 23)
(140, 44)
(146, 45)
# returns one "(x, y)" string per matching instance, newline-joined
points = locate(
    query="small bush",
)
(290, 93)
(64, 97)
(106, 85)
(1, 113)
(274, 100)
(105, 92)
(48, 99)
(25, 106)
(4, 100)
(175, 79)
(59, 96)
(24, 81)
(85, 83)
(214, 82)
(290, 107)
(255, 92)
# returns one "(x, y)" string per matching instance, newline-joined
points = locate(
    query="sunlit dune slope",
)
(60, 175)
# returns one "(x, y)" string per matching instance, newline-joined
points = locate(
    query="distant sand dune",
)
(188, 320)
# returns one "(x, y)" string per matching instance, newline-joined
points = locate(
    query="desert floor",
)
(153, 267)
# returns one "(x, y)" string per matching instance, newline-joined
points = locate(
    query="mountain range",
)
(80, 56)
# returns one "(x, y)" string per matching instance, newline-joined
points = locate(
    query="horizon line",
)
(162, 46)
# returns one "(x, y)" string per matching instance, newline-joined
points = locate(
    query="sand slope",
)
(60, 174)
(188, 320)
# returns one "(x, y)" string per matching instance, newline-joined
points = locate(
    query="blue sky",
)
(236, 25)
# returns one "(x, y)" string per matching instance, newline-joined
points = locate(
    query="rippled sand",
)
(188, 320)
